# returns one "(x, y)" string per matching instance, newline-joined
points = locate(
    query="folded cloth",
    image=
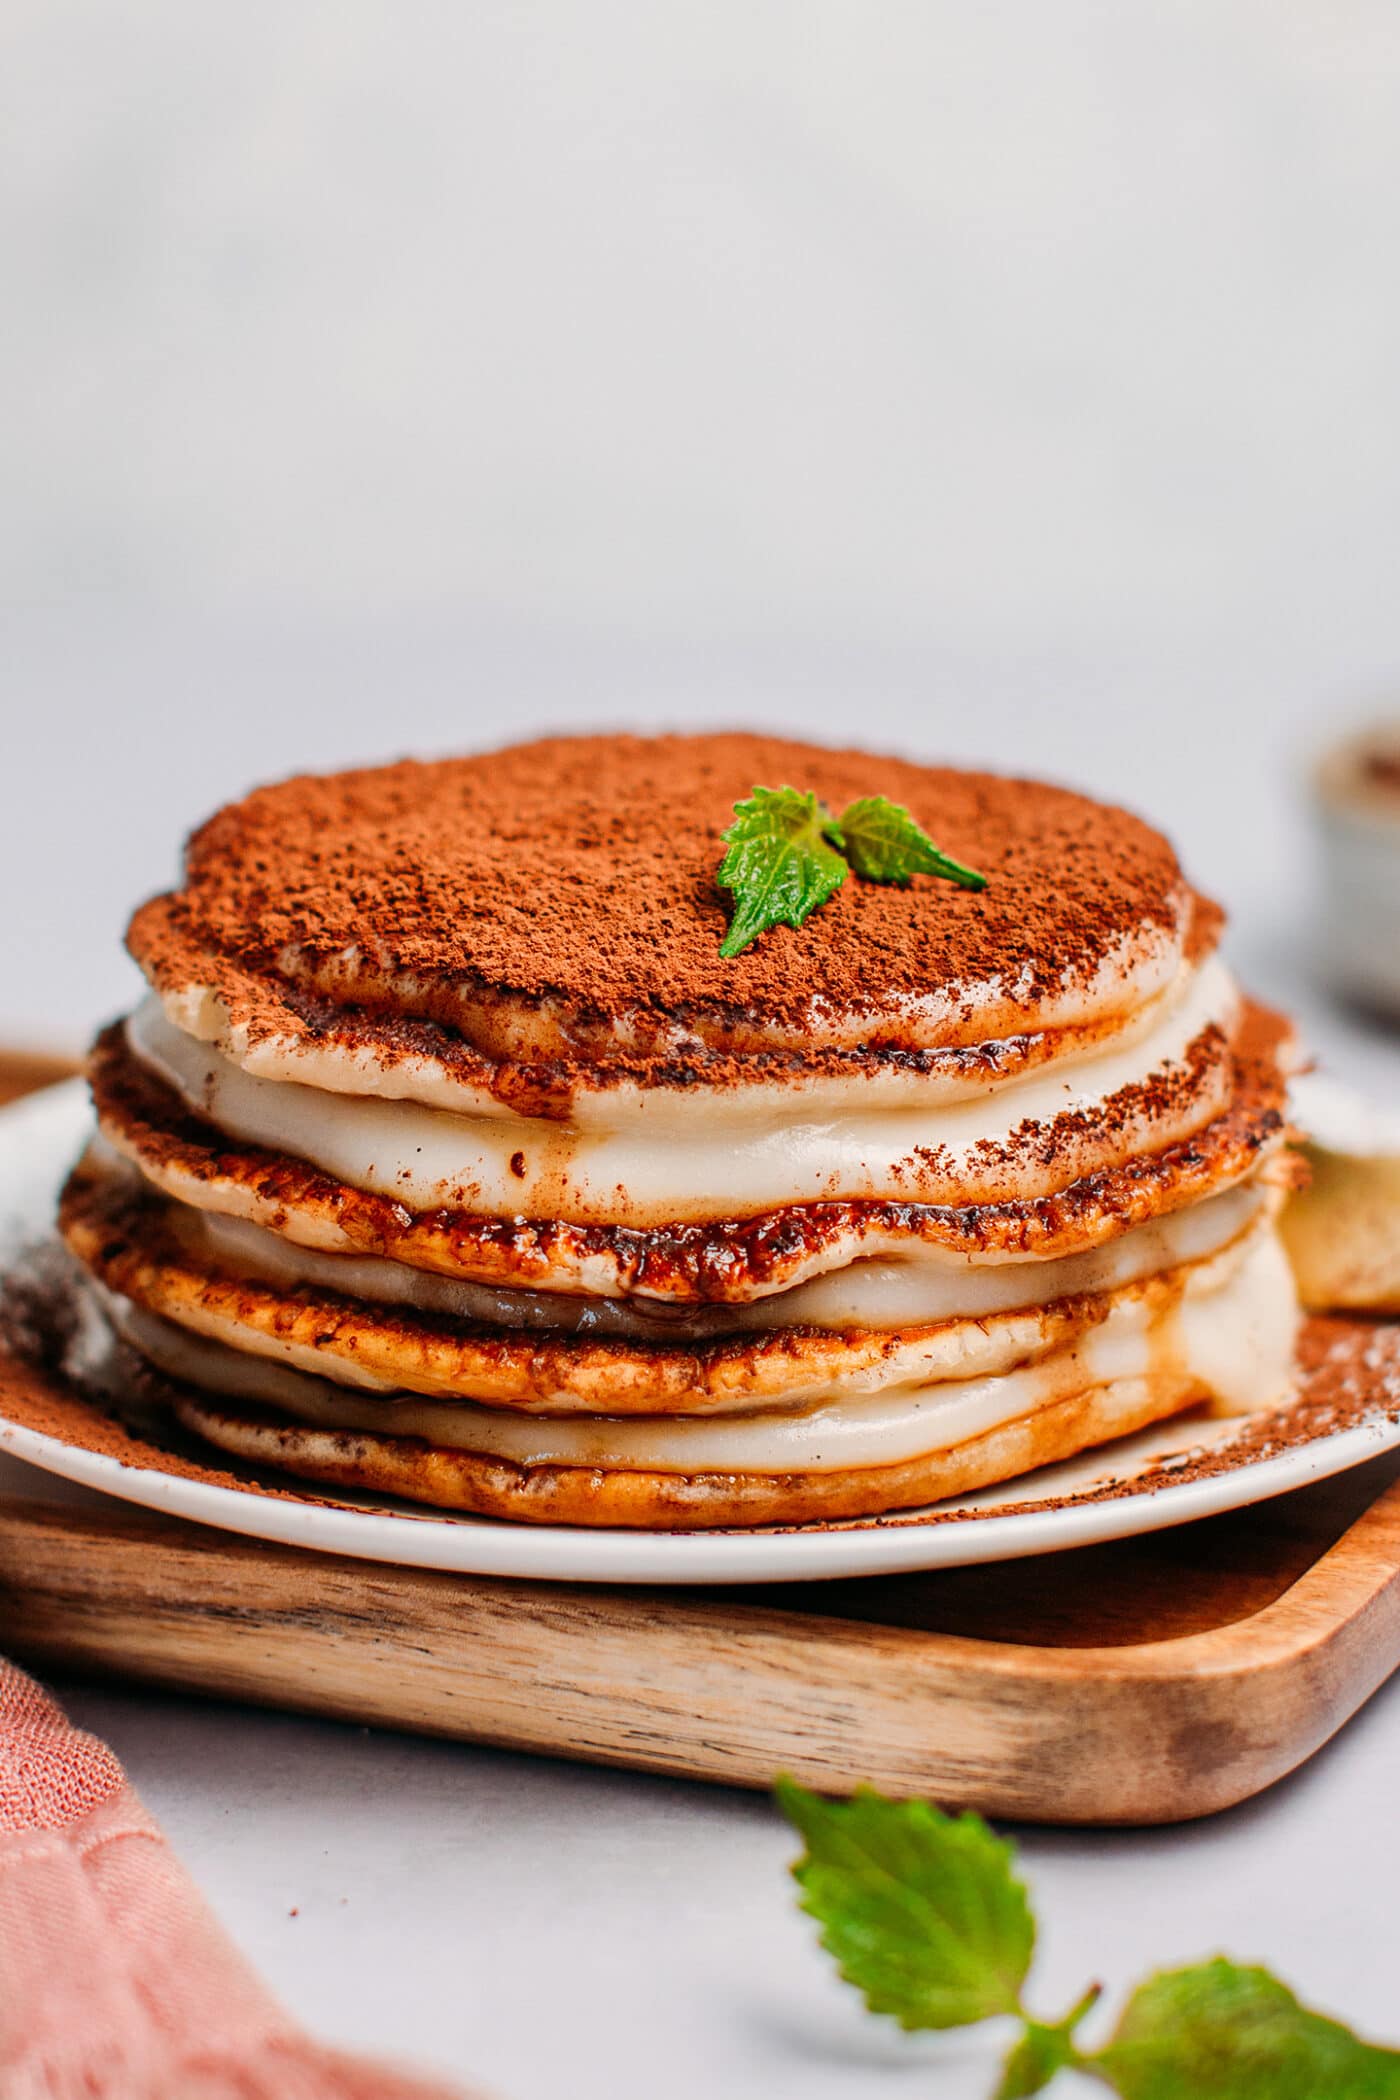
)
(116, 1983)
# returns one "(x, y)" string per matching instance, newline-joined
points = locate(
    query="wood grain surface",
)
(1145, 1681)
(21, 1071)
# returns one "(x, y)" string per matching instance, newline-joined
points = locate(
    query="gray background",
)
(1014, 382)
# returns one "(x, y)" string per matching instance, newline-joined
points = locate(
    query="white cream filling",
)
(1229, 1331)
(931, 1285)
(1136, 972)
(658, 1167)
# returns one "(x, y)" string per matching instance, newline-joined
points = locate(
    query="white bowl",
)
(1356, 791)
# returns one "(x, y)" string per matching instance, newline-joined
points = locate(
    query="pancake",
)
(725, 1261)
(448, 1150)
(554, 905)
(140, 1247)
(990, 1144)
(491, 1487)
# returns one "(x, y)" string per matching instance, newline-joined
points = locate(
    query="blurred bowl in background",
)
(1356, 790)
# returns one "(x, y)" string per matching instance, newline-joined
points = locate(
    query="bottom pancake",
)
(486, 1486)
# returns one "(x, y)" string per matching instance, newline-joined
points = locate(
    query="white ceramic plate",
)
(41, 1136)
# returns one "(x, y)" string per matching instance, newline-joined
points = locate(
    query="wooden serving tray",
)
(1146, 1681)
(1149, 1680)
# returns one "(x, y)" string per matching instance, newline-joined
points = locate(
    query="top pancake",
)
(559, 899)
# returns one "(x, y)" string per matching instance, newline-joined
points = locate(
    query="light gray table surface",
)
(544, 1929)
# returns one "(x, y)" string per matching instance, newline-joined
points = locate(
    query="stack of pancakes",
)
(448, 1157)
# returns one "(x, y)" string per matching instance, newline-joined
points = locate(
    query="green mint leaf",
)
(883, 843)
(1218, 2032)
(921, 1910)
(1035, 2060)
(787, 854)
(780, 865)
(1042, 2052)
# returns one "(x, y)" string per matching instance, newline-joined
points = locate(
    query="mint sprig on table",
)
(788, 853)
(923, 1913)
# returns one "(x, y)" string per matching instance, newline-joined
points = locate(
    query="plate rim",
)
(692, 1558)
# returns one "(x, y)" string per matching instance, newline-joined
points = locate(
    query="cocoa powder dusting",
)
(583, 870)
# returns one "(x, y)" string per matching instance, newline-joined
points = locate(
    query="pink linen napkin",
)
(116, 1983)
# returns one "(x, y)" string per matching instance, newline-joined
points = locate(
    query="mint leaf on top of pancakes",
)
(787, 854)
(883, 843)
(780, 865)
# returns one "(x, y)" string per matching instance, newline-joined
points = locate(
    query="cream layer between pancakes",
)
(1223, 1327)
(649, 1157)
(925, 1288)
